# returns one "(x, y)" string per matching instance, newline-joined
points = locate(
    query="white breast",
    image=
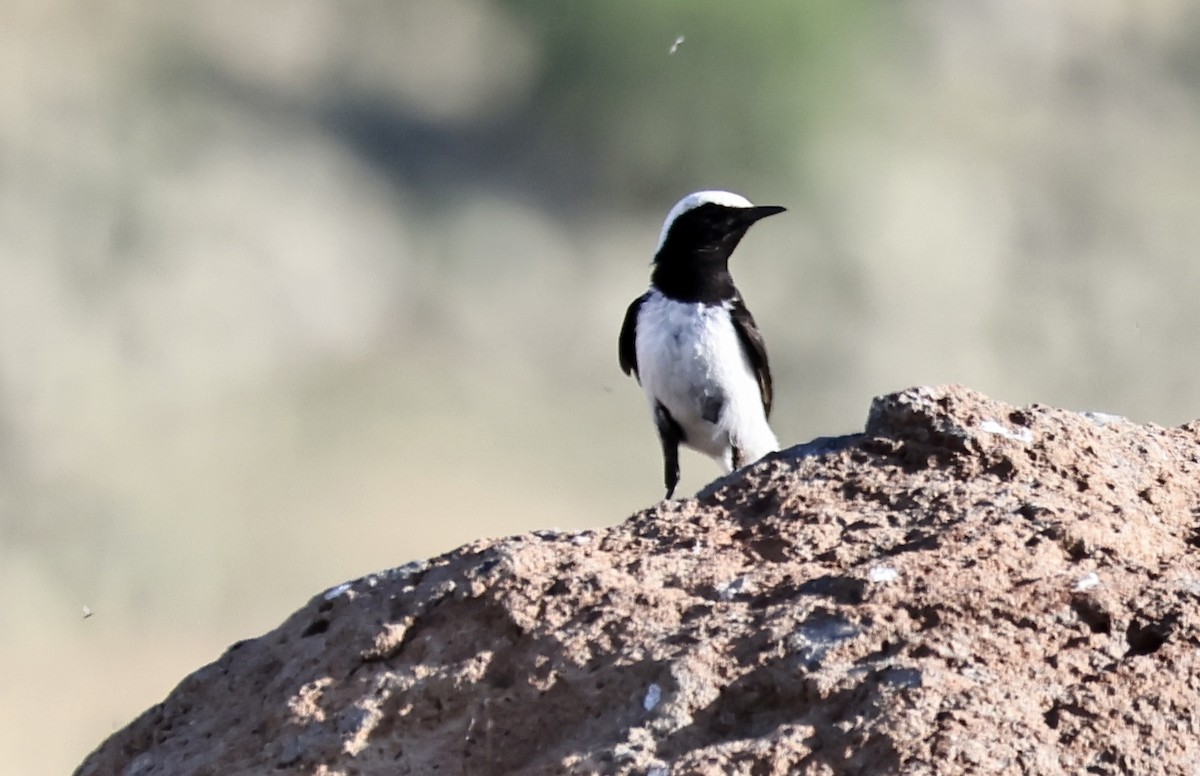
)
(689, 356)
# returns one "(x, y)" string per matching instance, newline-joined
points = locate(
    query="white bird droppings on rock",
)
(1023, 435)
(340, 590)
(1103, 418)
(653, 696)
(883, 574)
(731, 589)
(1087, 582)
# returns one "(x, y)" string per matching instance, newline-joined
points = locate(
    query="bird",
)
(692, 344)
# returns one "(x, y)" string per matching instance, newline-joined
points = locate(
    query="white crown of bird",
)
(695, 200)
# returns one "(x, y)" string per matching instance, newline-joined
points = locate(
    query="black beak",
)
(758, 212)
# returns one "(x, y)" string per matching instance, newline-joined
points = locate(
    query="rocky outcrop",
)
(965, 587)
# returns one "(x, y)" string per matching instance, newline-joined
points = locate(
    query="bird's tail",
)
(749, 447)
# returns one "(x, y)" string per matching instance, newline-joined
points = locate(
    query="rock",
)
(966, 587)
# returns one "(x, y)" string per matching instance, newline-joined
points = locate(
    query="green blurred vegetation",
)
(650, 97)
(293, 292)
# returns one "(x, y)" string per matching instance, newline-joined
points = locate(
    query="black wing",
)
(755, 349)
(627, 343)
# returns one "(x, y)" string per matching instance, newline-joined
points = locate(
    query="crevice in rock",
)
(841, 589)
(1145, 638)
(315, 627)
(1054, 716)
(1092, 612)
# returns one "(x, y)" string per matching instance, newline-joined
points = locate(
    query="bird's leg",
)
(670, 466)
(671, 435)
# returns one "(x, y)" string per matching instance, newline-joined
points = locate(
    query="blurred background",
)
(295, 291)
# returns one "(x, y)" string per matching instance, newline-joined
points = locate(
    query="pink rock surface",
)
(966, 587)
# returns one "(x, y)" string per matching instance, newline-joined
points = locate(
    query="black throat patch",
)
(693, 263)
